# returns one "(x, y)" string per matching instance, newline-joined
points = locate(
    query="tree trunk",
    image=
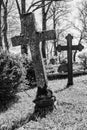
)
(24, 49)
(0, 27)
(74, 55)
(5, 28)
(43, 28)
(54, 27)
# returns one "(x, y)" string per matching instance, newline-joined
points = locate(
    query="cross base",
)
(69, 84)
(41, 112)
(44, 104)
(44, 101)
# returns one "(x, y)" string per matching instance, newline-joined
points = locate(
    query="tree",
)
(6, 21)
(82, 28)
(57, 12)
(44, 21)
(22, 10)
(5, 6)
(53, 10)
(24, 48)
(13, 19)
(0, 26)
(83, 19)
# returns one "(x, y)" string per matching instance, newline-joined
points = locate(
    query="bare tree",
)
(83, 19)
(57, 12)
(21, 10)
(13, 19)
(81, 37)
(82, 29)
(5, 6)
(45, 10)
(8, 22)
(7, 13)
(0, 26)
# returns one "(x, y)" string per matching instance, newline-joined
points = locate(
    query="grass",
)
(70, 112)
(18, 113)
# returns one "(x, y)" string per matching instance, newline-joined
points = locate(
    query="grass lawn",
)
(70, 112)
(19, 112)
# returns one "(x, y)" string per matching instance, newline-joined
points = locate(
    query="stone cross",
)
(69, 49)
(32, 38)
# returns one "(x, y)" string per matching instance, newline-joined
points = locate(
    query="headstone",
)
(32, 37)
(69, 49)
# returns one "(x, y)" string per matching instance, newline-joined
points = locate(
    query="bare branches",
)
(48, 7)
(37, 5)
(58, 9)
(0, 26)
(83, 18)
(19, 10)
(33, 4)
(3, 4)
(82, 27)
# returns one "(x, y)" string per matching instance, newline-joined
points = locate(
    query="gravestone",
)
(33, 38)
(69, 49)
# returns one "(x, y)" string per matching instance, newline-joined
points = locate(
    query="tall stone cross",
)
(69, 49)
(31, 37)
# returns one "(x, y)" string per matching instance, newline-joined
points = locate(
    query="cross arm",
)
(61, 48)
(47, 35)
(74, 47)
(78, 47)
(19, 40)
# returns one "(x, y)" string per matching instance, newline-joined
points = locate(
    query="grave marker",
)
(33, 38)
(69, 49)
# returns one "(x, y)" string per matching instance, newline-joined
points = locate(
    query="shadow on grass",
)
(63, 89)
(6, 103)
(40, 113)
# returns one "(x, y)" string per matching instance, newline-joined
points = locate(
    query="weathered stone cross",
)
(69, 49)
(31, 37)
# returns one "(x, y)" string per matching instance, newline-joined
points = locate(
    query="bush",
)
(83, 62)
(12, 74)
(30, 73)
(63, 67)
(52, 61)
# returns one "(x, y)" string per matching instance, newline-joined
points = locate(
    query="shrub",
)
(63, 67)
(30, 73)
(83, 62)
(12, 74)
(52, 61)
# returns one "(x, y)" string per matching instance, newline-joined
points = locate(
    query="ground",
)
(70, 112)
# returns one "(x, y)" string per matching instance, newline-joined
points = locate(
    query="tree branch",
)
(39, 6)
(3, 4)
(33, 4)
(48, 7)
(19, 10)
